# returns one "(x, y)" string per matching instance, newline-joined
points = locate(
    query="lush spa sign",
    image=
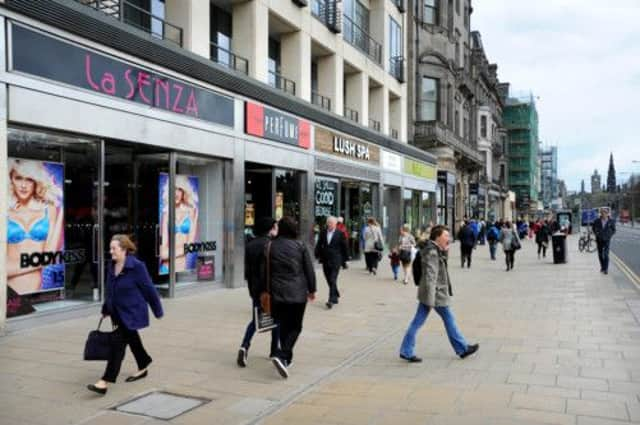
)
(338, 145)
(44, 56)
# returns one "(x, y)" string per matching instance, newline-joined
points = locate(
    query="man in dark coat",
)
(604, 228)
(467, 239)
(265, 229)
(331, 251)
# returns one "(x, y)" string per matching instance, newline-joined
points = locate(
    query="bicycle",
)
(587, 242)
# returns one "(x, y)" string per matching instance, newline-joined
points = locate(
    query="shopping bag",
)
(263, 321)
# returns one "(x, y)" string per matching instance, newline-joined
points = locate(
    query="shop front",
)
(419, 195)
(478, 201)
(74, 183)
(495, 205)
(445, 199)
(392, 206)
(347, 181)
(275, 180)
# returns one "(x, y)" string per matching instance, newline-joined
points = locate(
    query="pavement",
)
(559, 344)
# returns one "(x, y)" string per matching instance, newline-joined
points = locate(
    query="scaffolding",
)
(520, 118)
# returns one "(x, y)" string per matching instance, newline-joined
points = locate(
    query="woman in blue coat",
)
(128, 292)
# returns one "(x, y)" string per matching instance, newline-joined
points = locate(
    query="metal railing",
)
(400, 5)
(374, 125)
(437, 132)
(394, 133)
(320, 100)
(358, 38)
(137, 17)
(396, 68)
(281, 82)
(229, 59)
(328, 13)
(351, 114)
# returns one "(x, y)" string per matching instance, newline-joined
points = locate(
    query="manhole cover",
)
(161, 405)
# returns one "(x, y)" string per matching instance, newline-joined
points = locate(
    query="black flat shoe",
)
(412, 359)
(101, 391)
(134, 378)
(470, 350)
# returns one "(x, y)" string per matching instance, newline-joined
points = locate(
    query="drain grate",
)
(161, 405)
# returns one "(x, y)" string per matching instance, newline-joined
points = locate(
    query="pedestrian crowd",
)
(281, 281)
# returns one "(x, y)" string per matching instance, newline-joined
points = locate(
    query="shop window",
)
(428, 207)
(270, 192)
(199, 219)
(412, 210)
(52, 232)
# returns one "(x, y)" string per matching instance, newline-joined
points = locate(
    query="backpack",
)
(416, 269)
(493, 234)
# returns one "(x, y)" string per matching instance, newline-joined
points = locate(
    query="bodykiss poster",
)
(35, 233)
(187, 208)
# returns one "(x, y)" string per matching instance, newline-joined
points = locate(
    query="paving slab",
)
(559, 344)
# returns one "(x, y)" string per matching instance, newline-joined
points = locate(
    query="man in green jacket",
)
(434, 291)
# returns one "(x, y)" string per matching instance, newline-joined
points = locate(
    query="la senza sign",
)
(273, 125)
(44, 56)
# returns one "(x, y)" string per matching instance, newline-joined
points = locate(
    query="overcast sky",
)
(582, 58)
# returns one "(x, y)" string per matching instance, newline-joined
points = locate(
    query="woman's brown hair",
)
(125, 243)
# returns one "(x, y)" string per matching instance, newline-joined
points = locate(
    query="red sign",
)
(273, 125)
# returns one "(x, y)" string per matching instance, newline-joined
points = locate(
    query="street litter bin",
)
(559, 243)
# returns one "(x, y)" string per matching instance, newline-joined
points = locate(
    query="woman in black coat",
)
(292, 281)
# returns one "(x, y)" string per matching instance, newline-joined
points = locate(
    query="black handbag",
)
(378, 246)
(405, 256)
(99, 344)
(516, 243)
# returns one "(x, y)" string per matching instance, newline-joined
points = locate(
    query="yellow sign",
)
(279, 205)
(419, 169)
(249, 214)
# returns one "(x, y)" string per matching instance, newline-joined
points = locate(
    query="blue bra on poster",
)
(38, 232)
(184, 227)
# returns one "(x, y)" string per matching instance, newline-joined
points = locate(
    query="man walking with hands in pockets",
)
(331, 251)
(434, 292)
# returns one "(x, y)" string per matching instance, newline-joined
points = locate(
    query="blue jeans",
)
(603, 254)
(251, 330)
(493, 247)
(456, 339)
(395, 269)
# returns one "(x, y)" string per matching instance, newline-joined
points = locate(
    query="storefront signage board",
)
(391, 162)
(326, 197)
(48, 57)
(273, 125)
(419, 169)
(345, 147)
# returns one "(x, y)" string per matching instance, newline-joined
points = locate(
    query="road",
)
(626, 245)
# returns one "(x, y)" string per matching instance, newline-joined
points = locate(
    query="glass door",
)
(136, 195)
(52, 221)
(351, 211)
